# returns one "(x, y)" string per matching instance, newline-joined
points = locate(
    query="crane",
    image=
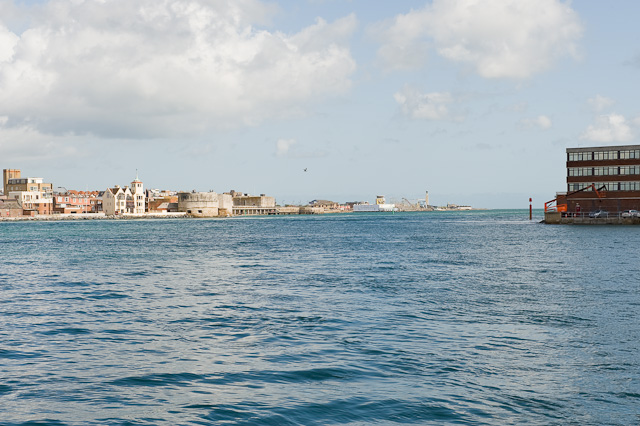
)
(548, 206)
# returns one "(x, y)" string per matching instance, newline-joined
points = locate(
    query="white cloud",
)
(283, 146)
(499, 38)
(22, 144)
(8, 41)
(609, 128)
(600, 103)
(146, 68)
(542, 121)
(290, 148)
(403, 46)
(425, 106)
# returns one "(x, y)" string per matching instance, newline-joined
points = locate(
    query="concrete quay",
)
(94, 216)
(557, 218)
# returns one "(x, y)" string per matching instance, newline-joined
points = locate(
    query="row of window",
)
(17, 181)
(603, 171)
(604, 155)
(608, 186)
(73, 200)
(31, 188)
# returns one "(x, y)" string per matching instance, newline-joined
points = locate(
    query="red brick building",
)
(75, 202)
(605, 178)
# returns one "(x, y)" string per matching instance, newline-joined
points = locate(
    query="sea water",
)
(477, 318)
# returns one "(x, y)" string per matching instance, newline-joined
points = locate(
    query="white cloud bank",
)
(499, 38)
(283, 146)
(148, 68)
(609, 128)
(290, 148)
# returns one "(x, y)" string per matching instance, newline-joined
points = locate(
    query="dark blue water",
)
(437, 318)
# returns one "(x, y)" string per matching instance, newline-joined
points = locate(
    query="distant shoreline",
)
(93, 216)
(181, 215)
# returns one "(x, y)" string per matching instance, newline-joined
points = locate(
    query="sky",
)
(474, 101)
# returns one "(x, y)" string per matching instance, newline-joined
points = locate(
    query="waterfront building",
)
(162, 204)
(198, 204)
(325, 204)
(118, 200)
(10, 208)
(606, 178)
(204, 204)
(138, 194)
(33, 202)
(33, 194)
(13, 182)
(6, 175)
(380, 206)
(246, 204)
(75, 202)
(225, 205)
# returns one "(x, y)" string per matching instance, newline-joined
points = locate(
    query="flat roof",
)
(604, 148)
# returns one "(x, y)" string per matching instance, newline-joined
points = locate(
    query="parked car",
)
(599, 213)
(630, 213)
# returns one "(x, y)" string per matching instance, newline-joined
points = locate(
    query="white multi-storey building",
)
(138, 196)
(118, 200)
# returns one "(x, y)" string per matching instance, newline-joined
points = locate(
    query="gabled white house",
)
(118, 200)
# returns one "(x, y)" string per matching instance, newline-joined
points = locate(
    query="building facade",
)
(6, 175)
(198, 204)
(10, 208)
(34, 202)
(27, 184)
(246, 204)
(138, 194)
(606, 178)
(33, 195)
(118, 200)
(75, 202)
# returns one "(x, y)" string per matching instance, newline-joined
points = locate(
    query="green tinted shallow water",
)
(448, 317)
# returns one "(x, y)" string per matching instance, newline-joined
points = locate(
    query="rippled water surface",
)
(433, 318)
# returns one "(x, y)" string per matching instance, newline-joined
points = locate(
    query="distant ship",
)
(379, 206)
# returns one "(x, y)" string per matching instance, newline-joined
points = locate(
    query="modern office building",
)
(606, 178)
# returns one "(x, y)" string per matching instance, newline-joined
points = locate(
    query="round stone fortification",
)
(198, 204)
